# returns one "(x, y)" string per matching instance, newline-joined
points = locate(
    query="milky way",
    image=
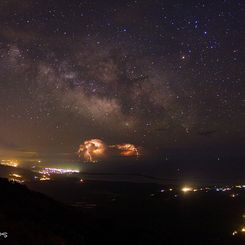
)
(154, 73)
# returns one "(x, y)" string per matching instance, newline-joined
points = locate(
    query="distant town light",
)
(44, 178)
(15, 175)
(10, 163)
(57, 171)
(187, 189)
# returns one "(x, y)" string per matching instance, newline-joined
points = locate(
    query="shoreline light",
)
(58, 171)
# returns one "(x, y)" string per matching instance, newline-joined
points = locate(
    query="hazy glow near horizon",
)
(10, 163)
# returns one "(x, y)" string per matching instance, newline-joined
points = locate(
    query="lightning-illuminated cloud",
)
(95, 149)
(126, 149)
(92, 150)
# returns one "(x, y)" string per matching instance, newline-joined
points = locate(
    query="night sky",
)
(158, 74)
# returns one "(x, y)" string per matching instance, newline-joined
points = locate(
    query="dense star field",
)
(158, 74)
(122, 122)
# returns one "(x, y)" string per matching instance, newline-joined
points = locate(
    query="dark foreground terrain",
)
(118, 213)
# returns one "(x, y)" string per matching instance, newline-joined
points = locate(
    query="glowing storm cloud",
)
(92, 150)
(127, 150)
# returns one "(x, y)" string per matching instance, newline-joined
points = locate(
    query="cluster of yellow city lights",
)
(16, 178)
(49, 171)
(46, 172)
(231, 190)
(239, 231)
(15, 175)
(10, 163)
(236, 232)
(44, 178)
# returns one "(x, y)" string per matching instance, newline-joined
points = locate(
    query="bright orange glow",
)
(187, 189)
(127, 150)
(16, 178)
(92, 150)
(15, 175)
(95, 149)
(44, 178)
(10, 163)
